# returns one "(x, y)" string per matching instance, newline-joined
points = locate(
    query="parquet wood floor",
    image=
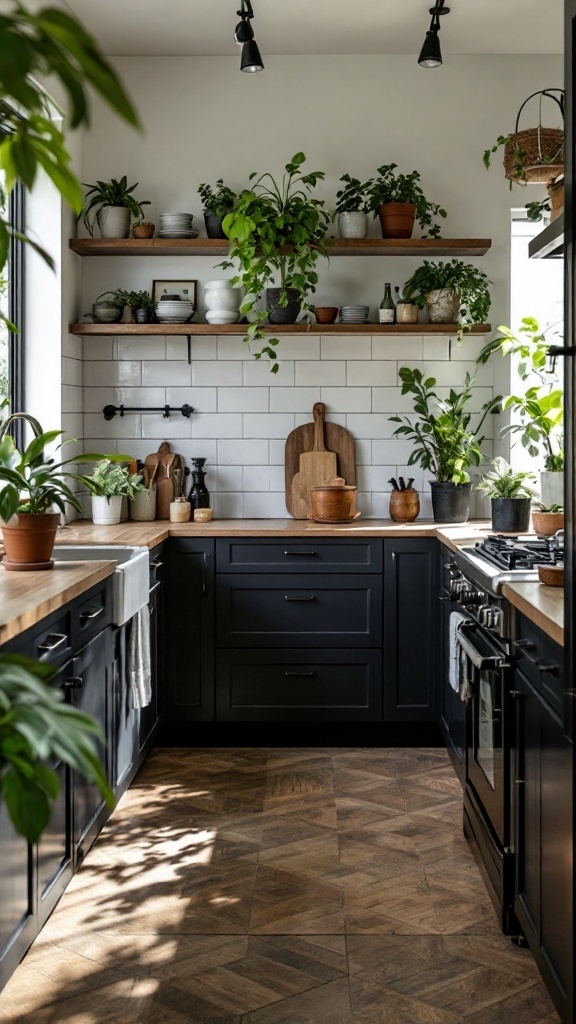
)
(267, 886)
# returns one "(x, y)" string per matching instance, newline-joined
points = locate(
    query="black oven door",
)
(487, 771)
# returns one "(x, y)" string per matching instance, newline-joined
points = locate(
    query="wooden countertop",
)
(28, 597)
(543, 605)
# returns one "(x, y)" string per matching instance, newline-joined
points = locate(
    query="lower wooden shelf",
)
(107, 330)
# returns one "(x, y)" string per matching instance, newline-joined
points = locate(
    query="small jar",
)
(202, 515)
(180, 511)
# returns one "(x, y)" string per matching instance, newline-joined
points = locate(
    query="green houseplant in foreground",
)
(453, 293)
(510, 496)
(108, 484)
(277, 228)
(398, 200)
(217, 202)
(444, 445)
(36, 726)
(110, 204)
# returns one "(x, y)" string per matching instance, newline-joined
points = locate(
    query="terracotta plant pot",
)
(29, 541)
(443, 306)
(546, 524)
(144, 230)
(556, 195)
(404, 505)
(325, 314)
(406, 313)
(551, 575)
(397, 220)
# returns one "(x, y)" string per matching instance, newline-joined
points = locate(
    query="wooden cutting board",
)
(315, 467)
(336, 439)
(161, 463)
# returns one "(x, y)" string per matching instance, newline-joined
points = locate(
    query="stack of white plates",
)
(174, 311)
(177, 225)
(354, 314)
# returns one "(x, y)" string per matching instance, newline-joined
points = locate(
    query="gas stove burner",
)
(516, 553)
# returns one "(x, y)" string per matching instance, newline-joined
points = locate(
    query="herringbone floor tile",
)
(313, 886)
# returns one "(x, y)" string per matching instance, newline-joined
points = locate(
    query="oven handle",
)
(480, 661)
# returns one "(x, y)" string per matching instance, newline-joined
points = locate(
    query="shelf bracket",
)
(189, 341)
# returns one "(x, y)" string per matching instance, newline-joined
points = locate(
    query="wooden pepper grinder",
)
(404, 501)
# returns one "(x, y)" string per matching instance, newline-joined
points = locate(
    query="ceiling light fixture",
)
(251, 61)
(431, 54)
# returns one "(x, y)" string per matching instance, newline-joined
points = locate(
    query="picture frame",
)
(184, 289)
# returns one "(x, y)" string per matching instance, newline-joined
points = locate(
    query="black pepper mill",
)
(199, 496)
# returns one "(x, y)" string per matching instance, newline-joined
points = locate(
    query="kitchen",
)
(374, 819)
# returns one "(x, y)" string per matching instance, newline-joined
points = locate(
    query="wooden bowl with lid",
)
(333, 502)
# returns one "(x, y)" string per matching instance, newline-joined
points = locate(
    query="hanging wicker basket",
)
(536, 154)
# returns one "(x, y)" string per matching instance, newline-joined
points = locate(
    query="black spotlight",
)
(251, 60)
(431, 54)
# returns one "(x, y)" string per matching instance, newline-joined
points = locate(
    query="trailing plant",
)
(109, 480)
(552, 509)
(353, 198)
(537, 208)
(219, 200)
(276, 228)
(36, 727)
(444, 443)
(110, 193)
(389, 187)
(505, 482)
(465, 280)
(403, 296)
(135, 300)
(34, 47)
(518, 154)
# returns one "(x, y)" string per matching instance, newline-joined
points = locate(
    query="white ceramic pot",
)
(222, 316)
(352, 224)
(443, 306)
(106, 511)
(223, 298)
(114, 221)
(552, 487)
(406, 313)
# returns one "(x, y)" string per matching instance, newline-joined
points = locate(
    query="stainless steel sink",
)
(130, 582)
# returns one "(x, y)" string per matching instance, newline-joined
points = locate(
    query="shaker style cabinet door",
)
(411, 624)
(188, 678)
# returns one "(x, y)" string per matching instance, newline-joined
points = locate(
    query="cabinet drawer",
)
(299, 686)
(92, 613)
(299, 611)
(53, 642)
(294, 556)
(542, 662)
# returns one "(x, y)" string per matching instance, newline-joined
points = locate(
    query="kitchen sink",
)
(130, 582)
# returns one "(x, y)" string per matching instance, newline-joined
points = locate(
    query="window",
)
(12, 305)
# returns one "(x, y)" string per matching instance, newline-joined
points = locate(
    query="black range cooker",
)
(477, 575)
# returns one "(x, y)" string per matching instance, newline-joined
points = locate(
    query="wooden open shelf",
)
(338, 246)
(107, 330)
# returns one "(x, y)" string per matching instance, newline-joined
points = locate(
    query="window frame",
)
(16, 307)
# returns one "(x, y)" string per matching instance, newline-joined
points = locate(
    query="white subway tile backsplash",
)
(344, 346)
(211, 373)
(256, 505)
(72, 372)
(277, 505)
(391, 400)
(373, 373)
(242, 399)
(112, 373)
(217, 424)
(393, 452)
(97, 348)
(141, 347)
(120, 427)
(277, 481)
(233, 347)
(72, 398)
(256, 478)
(201, 399)
(257, 372)
(369, 426)
(436, 347)
(405, 349)
(268, 425)
(294, 399)
(168, 372)
(243, 453)
(294, 346)
(227, 505)
(203, 347)
(375, 478)
(380, 504)
(339, 400)
(157, 426)
(277, 451)
(228, 478)
(322, 373)
(363, 452)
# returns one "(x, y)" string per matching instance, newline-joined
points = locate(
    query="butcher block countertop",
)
(543, 605)
(28, 597)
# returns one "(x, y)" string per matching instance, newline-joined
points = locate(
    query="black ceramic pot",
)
(450, 502)
(143, 316)
(213, 225)
(278, 314)
(511, 515)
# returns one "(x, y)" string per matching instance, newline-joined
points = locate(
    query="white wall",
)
(204, 120)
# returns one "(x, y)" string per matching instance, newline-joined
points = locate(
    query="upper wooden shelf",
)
(107, 330)
(338, 246)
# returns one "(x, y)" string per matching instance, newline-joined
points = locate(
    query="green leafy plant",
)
(466, 281)
(36, 726)
(135, 300)
(389, 187)
(537, 208)
(505, 482)
(402, 295)
(353, 198)
(444, 444)
(110, 193)
(276, 228)
(219, 200)
(552, 509)
(35, 46)
(109, 480)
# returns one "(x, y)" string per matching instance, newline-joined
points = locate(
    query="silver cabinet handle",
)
(287, 598)
(73, 683)
(57, 640)
(301, 675)
(157, 563)
(93, 614)
(301, 554)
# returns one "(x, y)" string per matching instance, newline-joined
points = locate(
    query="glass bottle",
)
(387, 311)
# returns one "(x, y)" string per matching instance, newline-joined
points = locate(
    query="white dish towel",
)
(455, 671)
(139, 664)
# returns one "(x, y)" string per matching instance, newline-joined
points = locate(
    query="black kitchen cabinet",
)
(188, 660)
(411, 629)
(451, 709)
(18, 918)
(542, 809)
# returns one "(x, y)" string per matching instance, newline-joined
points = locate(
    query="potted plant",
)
(444, 444)
(143, 229)
(539, 410)
(141, 305)
(406, 311)
(547, 520)
(110, 204)
(510, 497)
(277, 228)
(108, 484)
(453, 293)
(398, 200)
(217, 203)
(352, 208)
(34, 491)
(552, 205)
(36, 727)
(108, 308)
(533, 154)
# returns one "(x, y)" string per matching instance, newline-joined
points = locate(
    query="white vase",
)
(223, 298)
(552, 487)
(443, 306)
(352, 224)
(114, 221)
(106, 511)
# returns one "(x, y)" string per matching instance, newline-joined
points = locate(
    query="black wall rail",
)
(110, 411)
